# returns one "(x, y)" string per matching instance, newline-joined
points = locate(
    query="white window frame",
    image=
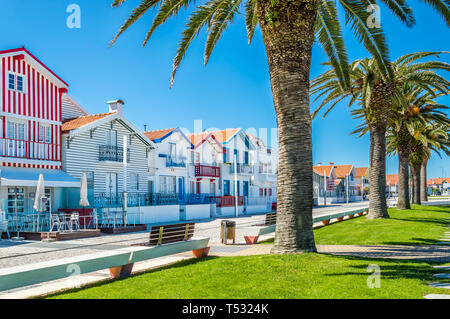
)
(15, 75)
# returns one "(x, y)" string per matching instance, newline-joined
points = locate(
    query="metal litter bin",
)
(228, 231)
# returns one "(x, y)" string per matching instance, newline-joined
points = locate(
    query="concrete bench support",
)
(201, 252)
(251, 240)
(121, 271)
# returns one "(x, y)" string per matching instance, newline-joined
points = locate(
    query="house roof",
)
(197, 139)
(256, 140)
(158, 134)
(224, 136)
(391, 179)
(28, 53)
(343, 170)
(74, 123)
(78, 125)
(361, 171)
(438, 181)
(319, 169)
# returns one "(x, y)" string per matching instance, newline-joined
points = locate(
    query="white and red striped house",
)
(30, 99)
(30, 125)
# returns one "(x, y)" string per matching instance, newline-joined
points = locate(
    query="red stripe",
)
(47, 104)
(29, 90)
(38, 96)
(4, 84)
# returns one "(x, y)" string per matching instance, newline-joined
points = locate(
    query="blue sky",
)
(233, 90)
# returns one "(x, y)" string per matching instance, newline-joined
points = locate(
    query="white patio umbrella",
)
(38, 203)
(84, 191)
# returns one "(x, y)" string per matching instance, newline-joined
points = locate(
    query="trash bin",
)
(228, 231)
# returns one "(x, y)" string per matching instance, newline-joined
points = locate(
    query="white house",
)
(171, 158)
(263, 182)
(204, 164)
(94, 144)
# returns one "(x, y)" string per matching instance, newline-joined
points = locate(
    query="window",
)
(111, 138)
(226, 155)
(16, 82)
(11, 82)
(246, 159)
(167, 184)
(226, 187)
(44, 134)
(197, 158)
(172, 150)
(90, 179)
(134, 181)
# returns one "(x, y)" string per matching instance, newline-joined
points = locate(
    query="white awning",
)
(11, 176)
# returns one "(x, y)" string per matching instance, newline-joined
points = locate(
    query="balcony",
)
(175, 162)
(207, 171)
(112, 153)
(29, 150)
(229, 201)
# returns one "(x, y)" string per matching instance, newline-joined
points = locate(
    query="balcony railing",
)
(29, 149)
(229, 201)
(175, 162)
(112, 153)
(207, 171)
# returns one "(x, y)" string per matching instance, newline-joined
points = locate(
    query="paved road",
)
(27, 252)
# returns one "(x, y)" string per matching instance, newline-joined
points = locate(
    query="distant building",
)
(442, 185)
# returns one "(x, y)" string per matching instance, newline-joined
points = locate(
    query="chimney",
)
(319, 164)
(145, 127)
(115, 106)
(331, 163)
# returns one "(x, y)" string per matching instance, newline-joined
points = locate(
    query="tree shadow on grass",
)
(391, 268)
(413, 242)
(438, 221)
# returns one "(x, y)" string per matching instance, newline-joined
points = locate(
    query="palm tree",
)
(415, 106)
(426, 138)
(289, 28)
(444, 143)
(377, 91)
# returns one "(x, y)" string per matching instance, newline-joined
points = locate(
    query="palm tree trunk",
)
(403, 178)
(415, 172)
(403, 149)
(423, 181)
(377, 196)
(288, 38)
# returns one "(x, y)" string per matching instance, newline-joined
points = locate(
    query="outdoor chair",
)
(4, 228)
(60, 225)
(106, 219)
(74, 221)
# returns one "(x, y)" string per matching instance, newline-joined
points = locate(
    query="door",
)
(239, 188)
(245, 190)
(111, 185)
(150, 192)
(181, 187)
(16, 205)
(16, 139)
(212, 190)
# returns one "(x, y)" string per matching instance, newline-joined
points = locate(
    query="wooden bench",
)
(164, 240)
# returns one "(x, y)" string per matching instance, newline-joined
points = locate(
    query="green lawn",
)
(421, 225)
(299, 276)
(271, 276)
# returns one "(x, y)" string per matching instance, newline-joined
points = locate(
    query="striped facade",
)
(36, 110)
